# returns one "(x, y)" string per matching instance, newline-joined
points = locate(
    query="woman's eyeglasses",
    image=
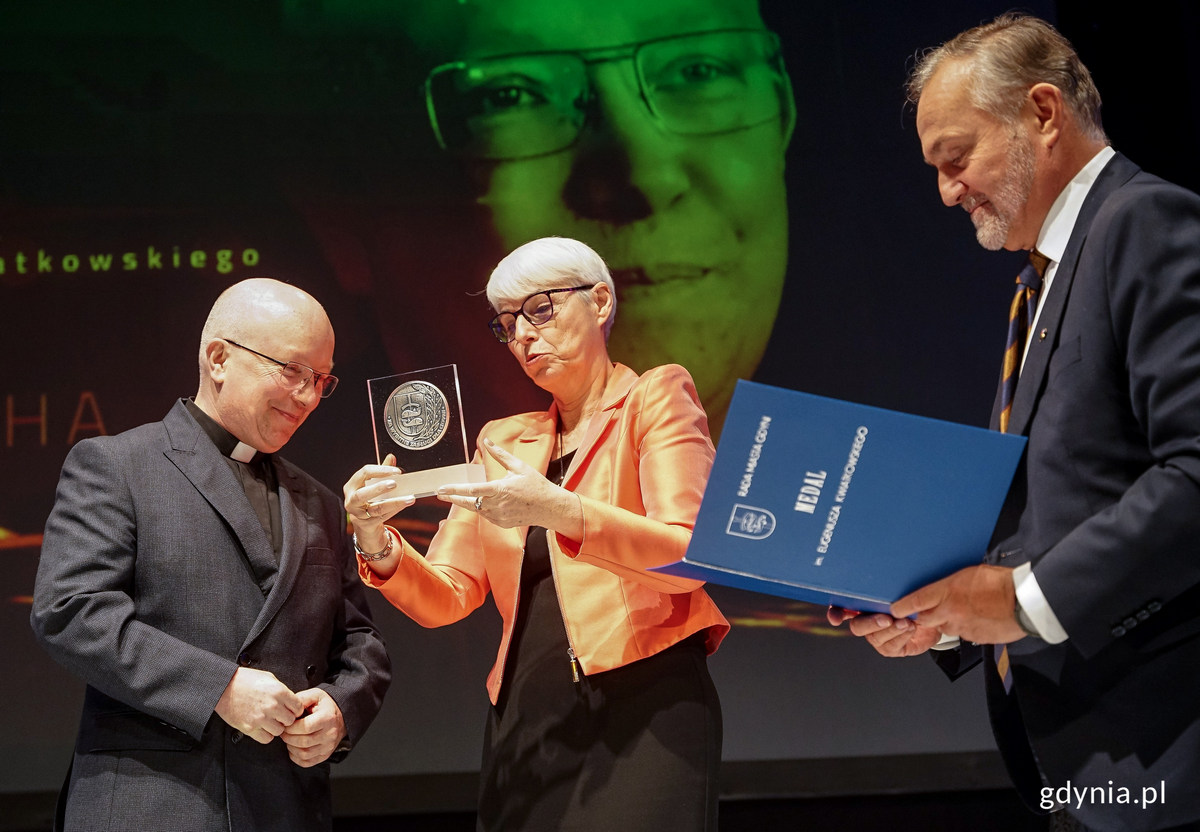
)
(537, 309)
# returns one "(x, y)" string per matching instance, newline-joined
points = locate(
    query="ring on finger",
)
(478, 503)
(366, 507)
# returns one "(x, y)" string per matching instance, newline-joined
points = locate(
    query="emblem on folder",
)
(748, 521)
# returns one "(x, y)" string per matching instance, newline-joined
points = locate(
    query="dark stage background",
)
(151, 154)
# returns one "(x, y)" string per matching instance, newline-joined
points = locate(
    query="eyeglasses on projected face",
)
(531, 104)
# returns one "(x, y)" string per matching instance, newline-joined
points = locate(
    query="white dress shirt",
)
(1052, 242)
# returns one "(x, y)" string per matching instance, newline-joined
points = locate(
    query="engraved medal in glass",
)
(418, 417)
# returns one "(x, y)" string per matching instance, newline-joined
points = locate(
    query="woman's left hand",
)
(522, 497)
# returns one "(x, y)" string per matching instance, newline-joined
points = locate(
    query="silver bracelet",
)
(373, 556)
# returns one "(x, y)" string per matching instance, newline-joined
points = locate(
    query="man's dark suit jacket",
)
(1106, 505)
(156, 581)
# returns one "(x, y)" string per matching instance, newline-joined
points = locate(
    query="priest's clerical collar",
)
(228, 444)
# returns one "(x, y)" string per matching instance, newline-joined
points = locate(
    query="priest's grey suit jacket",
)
(156, 582)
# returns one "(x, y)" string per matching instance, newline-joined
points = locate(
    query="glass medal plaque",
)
(418, 417)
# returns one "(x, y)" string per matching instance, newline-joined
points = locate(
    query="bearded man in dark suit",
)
(1086, 614)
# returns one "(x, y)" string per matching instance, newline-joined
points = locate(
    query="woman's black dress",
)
(635, 748)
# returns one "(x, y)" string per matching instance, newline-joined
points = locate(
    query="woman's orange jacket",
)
(639, 472)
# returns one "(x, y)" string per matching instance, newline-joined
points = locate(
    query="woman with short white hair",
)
(603, 715)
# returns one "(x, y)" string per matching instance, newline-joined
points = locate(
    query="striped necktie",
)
(1020, 321)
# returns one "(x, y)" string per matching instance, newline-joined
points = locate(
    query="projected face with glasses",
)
(654, 131)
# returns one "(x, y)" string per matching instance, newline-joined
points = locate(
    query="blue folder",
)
(833, 502)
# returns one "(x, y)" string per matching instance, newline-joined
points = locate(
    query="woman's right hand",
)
(370, 499)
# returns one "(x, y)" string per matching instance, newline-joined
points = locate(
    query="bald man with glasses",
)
(205, 590)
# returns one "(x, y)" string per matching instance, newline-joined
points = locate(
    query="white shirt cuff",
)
(1033, 602)
(947, 643)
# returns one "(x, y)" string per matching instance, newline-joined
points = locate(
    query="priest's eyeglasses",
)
(295, 376)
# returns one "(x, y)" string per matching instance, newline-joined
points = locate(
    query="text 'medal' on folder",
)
(832, 502)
